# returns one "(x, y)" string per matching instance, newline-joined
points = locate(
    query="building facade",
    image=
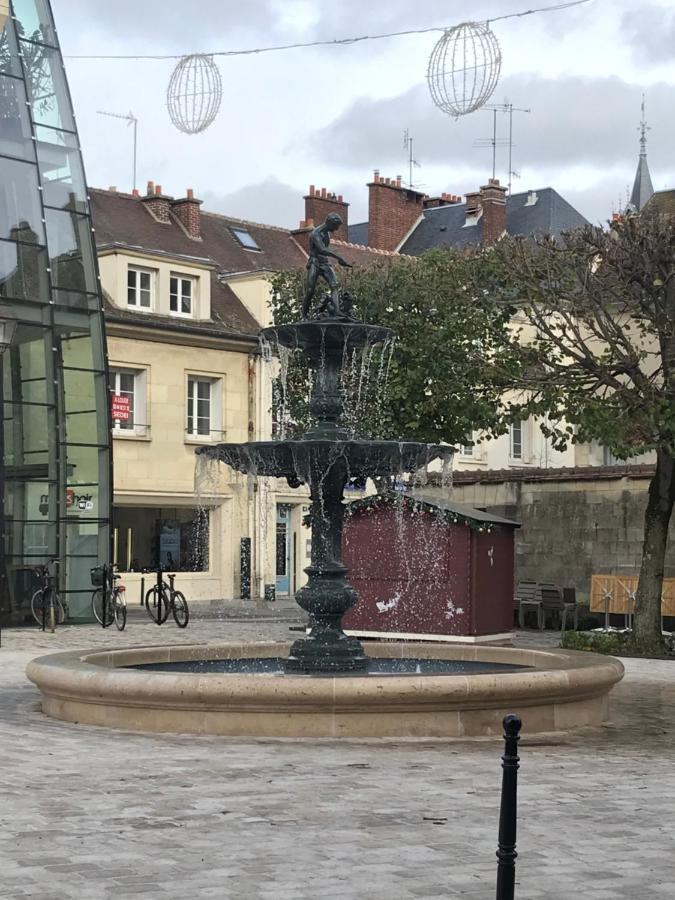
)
(56, 458)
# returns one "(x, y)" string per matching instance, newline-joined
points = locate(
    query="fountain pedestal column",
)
(328, 595)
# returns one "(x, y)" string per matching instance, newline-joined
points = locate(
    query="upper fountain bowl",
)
(326, 334)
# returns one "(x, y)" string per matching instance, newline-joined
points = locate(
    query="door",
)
(283, 549)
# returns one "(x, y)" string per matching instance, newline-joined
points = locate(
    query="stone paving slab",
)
(97, 814)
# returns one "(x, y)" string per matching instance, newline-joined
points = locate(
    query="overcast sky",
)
(330, 115)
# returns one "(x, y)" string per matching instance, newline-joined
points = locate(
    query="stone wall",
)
(575, 522)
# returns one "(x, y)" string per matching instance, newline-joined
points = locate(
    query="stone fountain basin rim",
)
(98, 677)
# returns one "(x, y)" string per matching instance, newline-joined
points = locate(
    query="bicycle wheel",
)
(37, 606)
(97, 608)
(180, 610)
(120, 611)
(157, 605)
(60, 610)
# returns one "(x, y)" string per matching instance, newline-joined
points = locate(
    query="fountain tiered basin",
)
(327, 684)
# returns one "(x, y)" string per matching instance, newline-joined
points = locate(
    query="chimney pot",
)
(376, 175)
(136, 192)
(158, 190)
(151, 187)
(323, 192)
(399, 179)
(112, 189)
(340, 199)
(312, 189)
(190, 194)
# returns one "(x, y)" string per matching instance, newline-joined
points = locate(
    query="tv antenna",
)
(412, 162)
(130, 119)
(495, 142)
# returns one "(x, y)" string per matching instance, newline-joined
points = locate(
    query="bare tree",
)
(598, 323)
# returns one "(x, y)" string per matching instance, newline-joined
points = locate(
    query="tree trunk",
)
(647, 625)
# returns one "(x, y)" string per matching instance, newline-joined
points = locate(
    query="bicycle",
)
(162, 598)
(109, 600)
(45, 603)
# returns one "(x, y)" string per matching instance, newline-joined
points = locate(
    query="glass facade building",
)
(55, 436)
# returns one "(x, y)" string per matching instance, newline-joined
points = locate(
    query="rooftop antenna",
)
(494, 142)
(412, 162)
(130, 119)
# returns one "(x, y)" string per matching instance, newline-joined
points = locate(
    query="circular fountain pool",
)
(459, 691)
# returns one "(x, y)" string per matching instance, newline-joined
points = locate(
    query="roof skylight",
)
(245, 239)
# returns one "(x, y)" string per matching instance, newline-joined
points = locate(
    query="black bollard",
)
(508, 813)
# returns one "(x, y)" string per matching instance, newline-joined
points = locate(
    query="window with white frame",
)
(470, 448)
(204, 407)
(181, 295)
(128, 389)
(517, 436)
(140, 283)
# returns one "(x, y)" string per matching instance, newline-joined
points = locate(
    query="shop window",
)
(139, 288)
(129, 389)
(204, 407)
(175, 538)
(181, 295)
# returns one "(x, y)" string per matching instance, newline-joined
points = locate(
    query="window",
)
(139, 288)
(128, 401)
(176, 538)
(203, 407)
(181, 295)
(516, 435)
(245, 239)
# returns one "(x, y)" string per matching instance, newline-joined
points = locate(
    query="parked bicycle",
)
(46, 605)
(109, 600)
(163, 598)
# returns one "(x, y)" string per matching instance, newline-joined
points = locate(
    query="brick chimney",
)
(320, 202)
(186, 210)
(443, 200)
(392, 211)
(157, 204)
(493, 203)
(301, 233)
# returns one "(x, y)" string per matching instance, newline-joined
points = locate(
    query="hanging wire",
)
(335, 41)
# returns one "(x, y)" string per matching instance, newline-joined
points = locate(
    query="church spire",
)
(643, 187)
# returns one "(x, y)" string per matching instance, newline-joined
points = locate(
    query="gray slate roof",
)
(643, 187)
(444, 226)
(358, 234)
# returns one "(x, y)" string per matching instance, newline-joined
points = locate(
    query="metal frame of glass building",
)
(56, 473)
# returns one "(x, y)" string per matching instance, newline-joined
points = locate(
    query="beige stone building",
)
(186, 293)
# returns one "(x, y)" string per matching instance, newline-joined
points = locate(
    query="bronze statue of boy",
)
(318, 265)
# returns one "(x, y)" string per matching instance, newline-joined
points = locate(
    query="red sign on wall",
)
(121, 407)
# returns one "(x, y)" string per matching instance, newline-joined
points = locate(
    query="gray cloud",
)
(155, 26)
(270, 201)
(651, 32)
(573, 122)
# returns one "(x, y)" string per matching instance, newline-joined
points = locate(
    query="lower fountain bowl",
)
(553, 690)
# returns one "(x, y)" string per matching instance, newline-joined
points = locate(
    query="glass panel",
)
(35, 21)
(20, 210)
(15, 131)
(76, 301)
(46, 85)
(9, 53)
(61, 170)
(69, 240)
(186, 299)
(178, 538)
(204, 390)
(23, 272)
(83, 466)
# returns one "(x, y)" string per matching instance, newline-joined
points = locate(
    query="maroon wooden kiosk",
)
(429, 569)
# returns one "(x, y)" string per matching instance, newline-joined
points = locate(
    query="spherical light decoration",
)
(464, 68)
(195, 93)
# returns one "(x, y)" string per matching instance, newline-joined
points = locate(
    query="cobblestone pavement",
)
(96, 814)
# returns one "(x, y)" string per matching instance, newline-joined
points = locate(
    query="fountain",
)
(325, 684)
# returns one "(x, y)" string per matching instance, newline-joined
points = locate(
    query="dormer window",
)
(181, 295)
(139, 288)
(245, 239)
